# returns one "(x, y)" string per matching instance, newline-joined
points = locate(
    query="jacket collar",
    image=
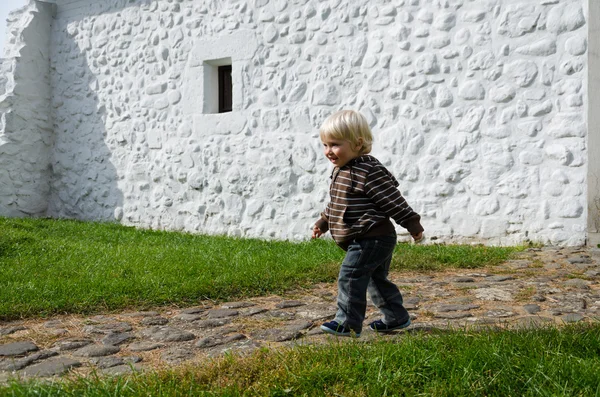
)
(348, 166)
(358, 160)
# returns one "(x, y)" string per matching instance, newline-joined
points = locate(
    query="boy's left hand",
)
(417, 237)
(316, 232)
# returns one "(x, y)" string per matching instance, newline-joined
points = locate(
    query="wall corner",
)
(26, 131)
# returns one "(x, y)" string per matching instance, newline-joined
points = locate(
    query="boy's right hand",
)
(316, 232)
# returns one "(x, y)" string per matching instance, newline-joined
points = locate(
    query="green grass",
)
(439, 257)
(541, 362)
(49, 266)
(60, 266)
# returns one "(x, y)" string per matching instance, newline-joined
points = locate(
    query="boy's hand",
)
(316, 232)
(417, 237)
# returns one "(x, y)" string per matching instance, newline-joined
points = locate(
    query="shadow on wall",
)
(85, 179)
(117, 84)
(91, 139)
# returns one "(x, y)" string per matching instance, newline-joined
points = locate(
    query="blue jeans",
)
(365, 268)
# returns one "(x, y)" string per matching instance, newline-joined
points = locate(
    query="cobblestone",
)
(523, 293)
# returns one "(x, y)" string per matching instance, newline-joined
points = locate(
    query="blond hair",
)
(348, 125)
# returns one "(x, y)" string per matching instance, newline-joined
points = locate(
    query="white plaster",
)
(477, 110)
(593, 141)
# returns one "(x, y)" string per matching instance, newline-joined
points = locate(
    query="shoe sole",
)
(336, 333)
(396, 328)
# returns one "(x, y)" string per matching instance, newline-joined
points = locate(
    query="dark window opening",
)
(225, 91)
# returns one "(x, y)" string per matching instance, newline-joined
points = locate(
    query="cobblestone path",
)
(543, 286)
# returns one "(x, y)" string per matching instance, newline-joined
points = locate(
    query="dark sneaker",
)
(334, 328)
(380, 326)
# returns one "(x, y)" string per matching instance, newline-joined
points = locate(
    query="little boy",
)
(363, 198)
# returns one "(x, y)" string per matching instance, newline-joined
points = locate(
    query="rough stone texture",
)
(72, 344)
(222, 313)
(479, 111)
(11, 330)
(144, 346)
(154, 320)
(122, 369)
(107, 328)
(17, 349)
(13, 364)
(168, 334)
(493, 294)
(572, 317)
(454, 308)
(107, 362)
(276, 335)
(96, 351)
(54, 366)
(177, 355)
(217, 340)
(117, 338)
(532, 308)
(237, 305)
(288, 304)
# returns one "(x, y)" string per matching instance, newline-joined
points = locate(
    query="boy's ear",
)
(359, 143)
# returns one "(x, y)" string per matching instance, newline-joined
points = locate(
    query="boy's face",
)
(339, 151)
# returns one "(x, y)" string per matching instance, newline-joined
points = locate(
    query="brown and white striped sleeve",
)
(382, 189)
(323, 222)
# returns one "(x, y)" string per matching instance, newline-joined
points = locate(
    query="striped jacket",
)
(363, 197)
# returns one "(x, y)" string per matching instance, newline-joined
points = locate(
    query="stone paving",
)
(541, 286)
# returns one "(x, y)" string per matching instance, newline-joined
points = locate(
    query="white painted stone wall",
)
(25, 116)
(593, 138)
(477, 106)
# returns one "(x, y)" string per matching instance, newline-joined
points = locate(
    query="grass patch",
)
(525, 294)
(538, 263)
(63, 266)
(50, 266)
(437, 257)
(545, 361)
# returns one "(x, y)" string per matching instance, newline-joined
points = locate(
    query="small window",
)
(218, 86)
(225, 91)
